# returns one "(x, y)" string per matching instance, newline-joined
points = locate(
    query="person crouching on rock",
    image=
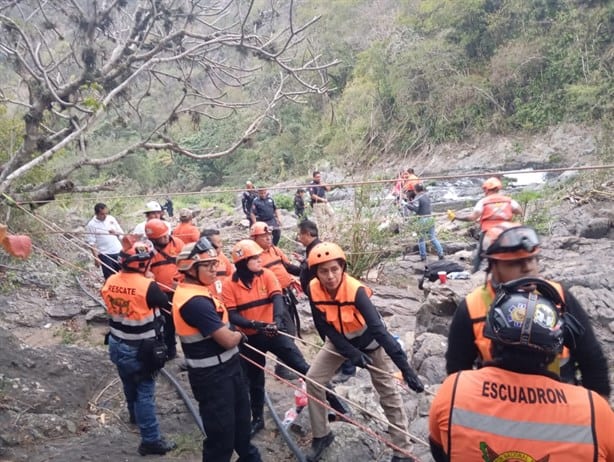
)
(212, 357)
(351, 326)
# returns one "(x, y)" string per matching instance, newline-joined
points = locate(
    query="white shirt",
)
(140, 228)
(107, 244)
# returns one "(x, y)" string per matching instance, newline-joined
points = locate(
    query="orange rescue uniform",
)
(273, 258)
(163, 265)
(187, 232)
(497, 208)
(492, 414)
(125, 295)
(254, 303)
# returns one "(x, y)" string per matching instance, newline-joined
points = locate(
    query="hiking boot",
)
(159, 447)
(285, 373)
(257, 425)
(342, 377)
(441, 257)
(318, 445)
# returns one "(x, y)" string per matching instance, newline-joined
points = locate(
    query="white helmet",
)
(152, 206)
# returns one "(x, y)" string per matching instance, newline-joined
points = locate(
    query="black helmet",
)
(526, 320)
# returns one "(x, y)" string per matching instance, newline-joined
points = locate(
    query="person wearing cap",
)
(491, 210)
(421, 205)
(164, 269)
(133, 302)
(104, 234)
(511, 251)
(185, 230)
(515, 408)
(247, 199)
(352, 328)
(255, 305)
(265, 210)
(153, 209)
(211, 349)
(224, 267)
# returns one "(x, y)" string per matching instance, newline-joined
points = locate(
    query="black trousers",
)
(276, 236)
(169, 327)
(223, 403)
(284, 348)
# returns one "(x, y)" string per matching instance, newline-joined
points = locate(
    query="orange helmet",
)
(199, 251)
(323, 252)
(245, 249)
(155, 228)
(492, 184)
(137, 257)
(258, 228)
(510, 241)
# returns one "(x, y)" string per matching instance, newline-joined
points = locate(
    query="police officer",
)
(352, 327)
(264, 209)
(133, 303)
(212, 357)
(514, 408)
(511, 251)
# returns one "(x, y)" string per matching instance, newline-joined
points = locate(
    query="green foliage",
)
(284, 201)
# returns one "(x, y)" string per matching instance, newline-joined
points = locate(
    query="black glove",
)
(244, 338)
(266, 328)
(361, 360)
(413, 381)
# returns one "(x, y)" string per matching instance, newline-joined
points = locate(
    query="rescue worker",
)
(153, 209)
(308, 236)
(409, 185)
(164, 269)
(514, 408)
(264, 209)
(254, 301)
(104, 234)
(511, 251)
(133, 302)
(212, 357)
(247, 198)
(275, 259)
(224, 267)
(494, 208)
(185, 230)
(352, 327)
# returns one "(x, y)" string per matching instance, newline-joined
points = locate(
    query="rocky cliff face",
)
(60, 397)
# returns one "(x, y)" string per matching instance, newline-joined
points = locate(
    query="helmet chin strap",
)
(527, 324)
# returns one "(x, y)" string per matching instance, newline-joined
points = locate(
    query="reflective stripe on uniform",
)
(126, 336)
(212, 360)
(508, 428)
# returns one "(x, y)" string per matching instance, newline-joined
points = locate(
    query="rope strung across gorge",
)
(72, 196)
(362, 427)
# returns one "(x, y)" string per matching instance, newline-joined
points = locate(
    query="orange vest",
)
(274, 259)
(478, 304)
(341, 311)
(125, 295)
(497, 209)
(224, 269)
(254, 303)
(199, 351)
(163, 265)
(496, 415)
(187, 232)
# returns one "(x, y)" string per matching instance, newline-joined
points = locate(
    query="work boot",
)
(284, 372)
(159, 447)
(318, 445)
(257, 425)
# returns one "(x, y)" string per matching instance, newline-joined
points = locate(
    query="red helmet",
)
(510, 241)
(245, 249)
(137, 257)
(492, 184)
(259, 228)
(323, 252)
(155, 228)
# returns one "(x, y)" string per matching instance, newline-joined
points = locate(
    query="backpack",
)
(430, 271)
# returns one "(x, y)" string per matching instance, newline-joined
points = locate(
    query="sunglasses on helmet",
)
(202, 246)
(514, 239)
